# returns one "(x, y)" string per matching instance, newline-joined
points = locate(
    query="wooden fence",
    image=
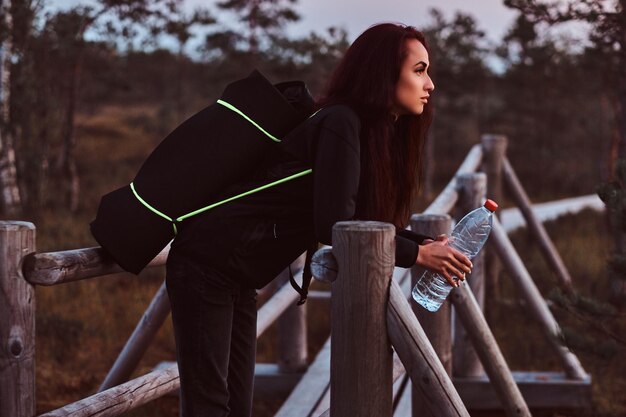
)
(370, 316)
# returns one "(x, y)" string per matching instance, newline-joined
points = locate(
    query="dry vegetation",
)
(82, 326)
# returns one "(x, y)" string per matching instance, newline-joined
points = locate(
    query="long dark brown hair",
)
(365, 79)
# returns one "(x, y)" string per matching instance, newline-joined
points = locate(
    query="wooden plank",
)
(399, 387)
(535, 303)
(551, 390)
(512, 218)
(269, 381)
(419, 358)
(324, 404)
(536, 227)
(123, 398)
(17, 322)
(404, 405)
(487, 349)
(361, 369)
(307, 394)
(319, 295)
(323, 408)
(52, 268)
(285, 297)
(292, 334)
(139, 341)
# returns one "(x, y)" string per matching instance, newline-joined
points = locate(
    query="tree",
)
(261, 17)
(69, 28)
(179, 26)
(9, 190)
(608, 22)
(608, 37)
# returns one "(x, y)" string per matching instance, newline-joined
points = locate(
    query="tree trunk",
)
(66, 164)
(621, 87)
(618, 285)
(9, 190)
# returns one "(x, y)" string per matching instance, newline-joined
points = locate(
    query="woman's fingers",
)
(462, 262)
(455, 272)
(449, 278)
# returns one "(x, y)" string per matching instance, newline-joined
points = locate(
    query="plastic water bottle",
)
(468, 237)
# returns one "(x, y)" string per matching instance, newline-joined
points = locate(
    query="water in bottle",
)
(468, 237)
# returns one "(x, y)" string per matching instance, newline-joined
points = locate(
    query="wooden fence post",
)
(472, 189)
(292, 337)
(494, 150)
(17, 322)
(361, 357)
(437, 326)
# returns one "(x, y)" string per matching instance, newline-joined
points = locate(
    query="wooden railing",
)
(369, 312)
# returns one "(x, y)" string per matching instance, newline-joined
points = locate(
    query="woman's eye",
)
(420, 71)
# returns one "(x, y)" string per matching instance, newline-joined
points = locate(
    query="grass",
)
(82, 326)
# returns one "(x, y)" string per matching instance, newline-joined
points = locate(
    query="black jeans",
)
(214, 321)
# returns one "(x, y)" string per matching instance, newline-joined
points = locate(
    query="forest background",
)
(78, 116)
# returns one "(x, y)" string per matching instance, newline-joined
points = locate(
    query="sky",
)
(357, 15)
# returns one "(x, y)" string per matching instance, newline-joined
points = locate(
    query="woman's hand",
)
(437, 256)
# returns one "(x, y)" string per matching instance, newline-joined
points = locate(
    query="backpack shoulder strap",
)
(306, 275)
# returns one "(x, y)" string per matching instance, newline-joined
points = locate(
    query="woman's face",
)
(414, 85)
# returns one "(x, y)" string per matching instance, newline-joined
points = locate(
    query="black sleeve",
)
(407, 247)
(335, 182)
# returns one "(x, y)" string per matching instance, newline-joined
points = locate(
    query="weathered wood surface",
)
(361, 359)
(472, 190)
(322, 407)
(437, 325)
(319, 295)
(306, 395)
(285, 297)
(420, 359)
(139, 341)
(292, 334)
(17, 322)
(512, 218)
(269, 381)
(446, 200)
(404, 404)
(535, 302)
(541, 390)
(494, 151)
(122, 398)
(536, 227)
(52, 268)
(487, 349)
(324, 265)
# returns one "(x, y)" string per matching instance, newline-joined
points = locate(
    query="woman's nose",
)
(430, 86)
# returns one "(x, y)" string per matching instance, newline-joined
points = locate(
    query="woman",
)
(364, 146)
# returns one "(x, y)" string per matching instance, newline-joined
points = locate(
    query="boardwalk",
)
(512, 218)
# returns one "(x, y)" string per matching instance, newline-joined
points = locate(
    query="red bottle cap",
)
(491, 205)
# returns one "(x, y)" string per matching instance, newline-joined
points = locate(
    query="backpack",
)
(182, 176)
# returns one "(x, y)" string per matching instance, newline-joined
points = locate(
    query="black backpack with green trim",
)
(212, 149)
